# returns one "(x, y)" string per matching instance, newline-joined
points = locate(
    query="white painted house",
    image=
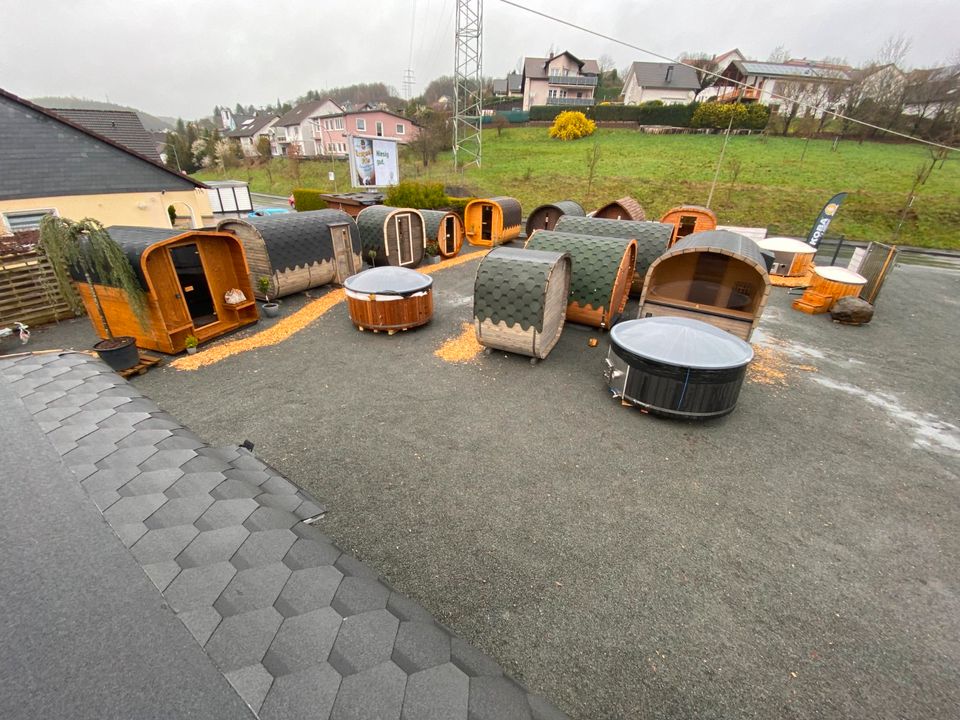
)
(298, 127)
(670, 83)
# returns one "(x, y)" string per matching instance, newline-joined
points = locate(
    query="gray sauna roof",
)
(510, 286)
(510, 207)
(651, 237)
(723, 240)
(300, 239)
(682, 342)
(134, 241)
(567, 207)
(596, 261)
(432, 220)
(296, 626)
(371, 220)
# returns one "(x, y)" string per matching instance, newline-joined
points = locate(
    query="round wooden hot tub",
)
(827, 285)
(791, 258)
(676, 367)
(389, 298)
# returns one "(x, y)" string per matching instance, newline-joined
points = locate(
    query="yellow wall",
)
(141, 209)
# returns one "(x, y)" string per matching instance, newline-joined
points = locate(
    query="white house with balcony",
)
(559, 80)
(298, 127)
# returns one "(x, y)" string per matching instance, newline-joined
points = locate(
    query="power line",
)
(739, 83)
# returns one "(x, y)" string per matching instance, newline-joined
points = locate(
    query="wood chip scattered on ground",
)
(462, 348)
(771, 365)
(800, 281)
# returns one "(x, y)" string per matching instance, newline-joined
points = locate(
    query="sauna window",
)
(688, 224)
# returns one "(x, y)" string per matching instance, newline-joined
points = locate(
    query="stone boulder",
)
(852, 311)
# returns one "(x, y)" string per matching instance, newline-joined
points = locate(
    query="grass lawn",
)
(763, 181)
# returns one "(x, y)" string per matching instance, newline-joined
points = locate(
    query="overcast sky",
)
(182, 57)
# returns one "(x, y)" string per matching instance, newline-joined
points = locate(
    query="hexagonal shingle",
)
(310, 553)
(162, 459)
(252, 589)
(473, 662)
(178, 511)
(359, 595)
(374, 693)
(306, 694)
(128, 456)
(406, 609)
(308, 589)
(364, 641)
(252, 683)
(420, 646)
(439, 693)
(134, 509)
(163, 544)
(111, 479)
(213, 546)
(497, 698)
(200, 483)
(234, 489)
(226, 513)
(199, 587)
(265, 518)
(201, 623)
(263, 548)
(242, 640)
(145, 483)
(302, 641)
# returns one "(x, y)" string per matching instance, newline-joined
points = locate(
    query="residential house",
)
(54, 165)
(933, 92)
(332, 132)
(670, 83)
(510, 86)
(121, 126)
(298, 127)
(251, 130)
(559, 80)
(801, 81)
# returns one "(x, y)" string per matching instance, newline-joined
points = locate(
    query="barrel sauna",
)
(717, 277)
(626, 208)
(651, 237)
(392, 236)
(791, 258)
(676, 367)
(689, 219)
(827, 285)
(546, 216)
(601, 274)
(185, 276)
(389, 298)
(520, 300)
(298, 251)
(492, 221)
(445, 229)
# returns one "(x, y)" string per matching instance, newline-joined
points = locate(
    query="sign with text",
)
(819, 228)
(373, 162)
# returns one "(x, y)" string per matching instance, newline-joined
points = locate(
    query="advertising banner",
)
(823, 220)
(373, 162)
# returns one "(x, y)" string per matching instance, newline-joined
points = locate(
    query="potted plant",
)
(190, 343)
(431, 252)
(372, 254)
(270, 309)
(86, 249)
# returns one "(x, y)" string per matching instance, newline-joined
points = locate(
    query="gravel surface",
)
(797, 559)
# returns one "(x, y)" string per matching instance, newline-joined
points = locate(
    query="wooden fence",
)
(28, 290)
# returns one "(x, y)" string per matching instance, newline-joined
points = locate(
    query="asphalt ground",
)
(796, 559)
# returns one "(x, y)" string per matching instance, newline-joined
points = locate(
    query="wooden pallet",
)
(146, 362)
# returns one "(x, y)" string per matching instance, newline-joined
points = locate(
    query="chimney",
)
(669, 73)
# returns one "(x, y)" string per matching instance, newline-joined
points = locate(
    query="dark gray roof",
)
(45, 155)
(500, 87)
(134, 241)
(121, 126)
(512, 212)
(370, 222)
(298, 627)
(511, 285)
(651, 237)
(251, 128)
(798, 70)
(722, 240)
(301, 112)
(565, 207)
(536, 67)
(298, 239)
(432, 220)
(514, 82)
(665, 75)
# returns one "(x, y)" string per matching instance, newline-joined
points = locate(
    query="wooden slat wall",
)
(29, 292)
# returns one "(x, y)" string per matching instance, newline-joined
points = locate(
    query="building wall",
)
(141, 209)
(666, 95)
(339, 138)
(535, 92)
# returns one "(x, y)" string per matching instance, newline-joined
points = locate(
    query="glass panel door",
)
(193, 284)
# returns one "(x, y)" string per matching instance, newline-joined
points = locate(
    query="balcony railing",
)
(733, 94)
(577, 80)
(579, 102)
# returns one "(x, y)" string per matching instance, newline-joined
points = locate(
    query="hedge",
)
(707, 115)
(424, 196)
(717, 115)
(308, 199)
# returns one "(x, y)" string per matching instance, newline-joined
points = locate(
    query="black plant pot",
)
(120, 353)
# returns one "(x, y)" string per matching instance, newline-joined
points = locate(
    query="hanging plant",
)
(87, 249)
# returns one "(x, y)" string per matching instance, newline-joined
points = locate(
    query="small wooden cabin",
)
(601, 274)
(651, 237)
(445, 229)
(298, 251)
(520, 300)
(185, 276)
(546, 216)
(718, 277)
(689, 219)
(396, 236)
(492, 221)
(626, 208)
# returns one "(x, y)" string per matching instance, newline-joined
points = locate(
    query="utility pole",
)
(468, 84)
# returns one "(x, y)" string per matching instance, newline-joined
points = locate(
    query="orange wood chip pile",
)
(771, 366)
(462, 348)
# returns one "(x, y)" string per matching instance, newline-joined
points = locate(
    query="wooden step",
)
(147, 361)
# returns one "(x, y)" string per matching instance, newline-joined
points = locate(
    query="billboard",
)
(373, 162)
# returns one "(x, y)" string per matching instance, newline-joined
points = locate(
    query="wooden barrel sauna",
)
(185, 276)
(394, 236)
(791, 258)
(651, 237)
(546, 216)
(626, 208)
(298, 251)
(827, 285)
(689, 219)
(492, 221)
(389, 298)
(676, 367)
(600, 277)
(520, 300)
(445, 229)
(718, 277)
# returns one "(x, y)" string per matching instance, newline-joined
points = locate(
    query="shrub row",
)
(308, 199)
(656, 113)
(420, 195)
(717, 115)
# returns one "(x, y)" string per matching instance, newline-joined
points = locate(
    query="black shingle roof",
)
(121, 126)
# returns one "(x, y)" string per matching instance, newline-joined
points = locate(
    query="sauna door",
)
(193, 284)
(486, 222)
(404, 240)
(343, 252)
(449, 235)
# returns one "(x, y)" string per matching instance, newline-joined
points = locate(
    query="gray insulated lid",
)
(388, 281)
(682, 342)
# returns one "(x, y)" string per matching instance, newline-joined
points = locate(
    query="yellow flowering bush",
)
(572, 125)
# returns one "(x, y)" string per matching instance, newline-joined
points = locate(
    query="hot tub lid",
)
(840, 274)
(785, 244)
(388, 281)
(683, 342)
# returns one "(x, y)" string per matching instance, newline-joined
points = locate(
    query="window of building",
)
(361, 125)
(401, 129)
(552, 92)
(379, 129)
(26, 220)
